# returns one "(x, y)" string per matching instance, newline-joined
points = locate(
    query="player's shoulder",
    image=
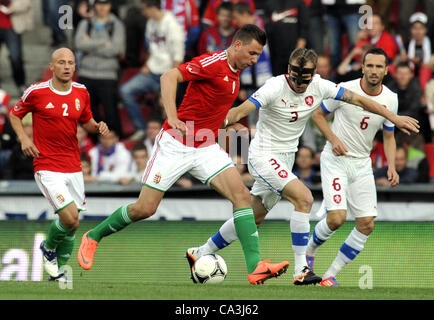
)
(78, 86)
(213, 62)
(212, 59)
(35, 88)
(388, 92)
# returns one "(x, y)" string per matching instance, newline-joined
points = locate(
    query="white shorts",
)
(61, 189)
(171, 159)
(272, 173)
(348, 183)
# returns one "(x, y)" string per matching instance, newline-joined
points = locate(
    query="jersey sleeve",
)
(387, 124)
(331, 93)
(25, 104)
(86, 115)
(330, 90)
(264, 96)
(195, 70)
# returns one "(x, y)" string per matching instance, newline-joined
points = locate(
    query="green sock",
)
(56, 234)
(64, 249)
(114, 223)
(248, 234)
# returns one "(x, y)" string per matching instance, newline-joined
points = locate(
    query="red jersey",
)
(212, 90)
(55, 117)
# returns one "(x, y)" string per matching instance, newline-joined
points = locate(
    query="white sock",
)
(349, 250)
(300, 229)
(224, 237)
(321, 233)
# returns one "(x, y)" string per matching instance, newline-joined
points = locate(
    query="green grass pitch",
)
(146, 261)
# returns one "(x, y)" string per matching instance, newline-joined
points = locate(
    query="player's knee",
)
(241, 196)
(139, 212)
(366, 227)
(71, 223)
(336, 219)
(304, 203)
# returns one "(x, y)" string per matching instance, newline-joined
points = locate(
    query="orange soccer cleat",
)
(266, 270)
(86, 252)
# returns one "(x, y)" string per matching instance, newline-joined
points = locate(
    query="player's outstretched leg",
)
(117, 221)
(349, 250)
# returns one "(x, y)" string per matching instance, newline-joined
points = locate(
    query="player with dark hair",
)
(346, 167)
(285, 105)
(187, 144)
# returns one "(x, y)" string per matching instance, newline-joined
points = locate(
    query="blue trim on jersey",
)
(348, 251)
(300, 239)
(340, 94)
(278, 191)
(323, 107)
(255, 102)
(219, 241)
(388, 128)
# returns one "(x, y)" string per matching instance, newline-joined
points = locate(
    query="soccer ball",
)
(210, 268)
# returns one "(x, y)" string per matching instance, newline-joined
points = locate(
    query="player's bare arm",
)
(319, 117)
(237, 113)
(404, 123)
(27, 145)
(169, 83)
(390, 152)
(96, 127)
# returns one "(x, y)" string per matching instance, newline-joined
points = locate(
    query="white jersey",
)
(354, 126)
(166, 43)
(283, 113)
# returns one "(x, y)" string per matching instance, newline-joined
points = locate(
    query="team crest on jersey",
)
(17, 108)
(157, 177)
(309, 101)
(60, 198)
(283, 174)
(193, 68)
(77, 104)
(337, 198)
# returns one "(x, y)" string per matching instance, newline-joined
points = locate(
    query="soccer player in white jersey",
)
(285, 104)
(346, 171)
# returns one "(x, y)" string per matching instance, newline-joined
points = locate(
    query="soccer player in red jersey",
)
(57, 106)
(187, 143)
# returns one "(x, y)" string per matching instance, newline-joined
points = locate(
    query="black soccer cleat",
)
(306, 277)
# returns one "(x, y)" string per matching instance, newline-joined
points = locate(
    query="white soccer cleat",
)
(49, 258)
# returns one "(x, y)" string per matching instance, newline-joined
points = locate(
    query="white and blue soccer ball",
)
(210, 268)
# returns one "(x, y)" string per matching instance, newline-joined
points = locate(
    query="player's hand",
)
(407, 124)
(338, 147)
(102, 128)
(178, 125)
(238, 127)
(392, 177)
(29, 148)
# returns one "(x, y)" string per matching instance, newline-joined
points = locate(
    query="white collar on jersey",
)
(63, 93)
(227, 59)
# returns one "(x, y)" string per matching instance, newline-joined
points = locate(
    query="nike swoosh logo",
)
(266, 272)
(84, 260)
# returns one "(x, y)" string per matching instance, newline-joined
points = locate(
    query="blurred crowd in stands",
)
(123, 47)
